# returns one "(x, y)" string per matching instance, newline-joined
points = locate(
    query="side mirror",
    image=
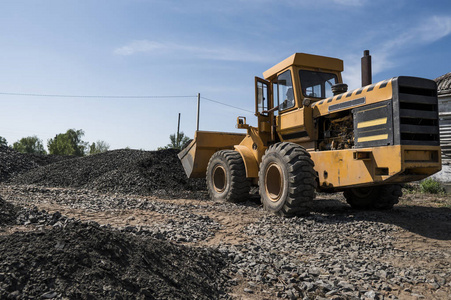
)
(339, 88)
(241, 122)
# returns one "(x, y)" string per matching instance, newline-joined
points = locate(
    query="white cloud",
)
(386, 55)
(139, 46)
(350, 2)
(351, 74)
(428, 31)
(435, 28)
(207, 52)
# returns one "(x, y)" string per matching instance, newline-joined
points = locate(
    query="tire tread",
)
(301, 177)
(382, 197)
(239, 183)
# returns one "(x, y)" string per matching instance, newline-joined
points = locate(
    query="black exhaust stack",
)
(366, 68)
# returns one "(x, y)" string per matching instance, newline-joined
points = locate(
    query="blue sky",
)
(181, 48)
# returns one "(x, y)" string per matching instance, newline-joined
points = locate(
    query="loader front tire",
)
(287, 180)
(226, 177)
(381, 197)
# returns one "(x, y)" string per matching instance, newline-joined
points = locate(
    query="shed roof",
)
(444, 84)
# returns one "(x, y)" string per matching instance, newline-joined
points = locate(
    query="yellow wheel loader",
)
(314, 135)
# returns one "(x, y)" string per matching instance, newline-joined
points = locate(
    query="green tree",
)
(30, 144)
(176, 143)
(69, 143)
(98, 147)
(3, 141)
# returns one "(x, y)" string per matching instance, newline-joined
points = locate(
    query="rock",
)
(291, 295)
(49, 295)
(370, 295)
(331, 293)
(346, 286)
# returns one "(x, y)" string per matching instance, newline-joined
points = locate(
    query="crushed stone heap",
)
(87, 261)
(13, 163)
(158, 173)
(8, 213)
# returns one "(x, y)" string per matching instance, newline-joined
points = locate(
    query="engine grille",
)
(415, 112)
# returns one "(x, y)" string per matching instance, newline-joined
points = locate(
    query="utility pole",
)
(198, 111)
(178, 133)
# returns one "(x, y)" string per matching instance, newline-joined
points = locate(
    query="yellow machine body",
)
(385, 132)
(390, 164)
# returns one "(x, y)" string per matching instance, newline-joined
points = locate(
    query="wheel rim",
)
(219, 179)
(274, 182)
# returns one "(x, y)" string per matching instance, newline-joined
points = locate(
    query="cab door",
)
(263, 108)
(291, 120)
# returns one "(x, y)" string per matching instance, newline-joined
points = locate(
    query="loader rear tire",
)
(381, 197)
(287, 180)
(226, 177)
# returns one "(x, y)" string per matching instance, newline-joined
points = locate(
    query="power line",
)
(90, 96)
(225, 104)
(119, 97)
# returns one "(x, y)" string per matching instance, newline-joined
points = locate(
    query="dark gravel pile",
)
(8, 212)
(43, 160)
(86, 261)
(158, 173)
(13, 163)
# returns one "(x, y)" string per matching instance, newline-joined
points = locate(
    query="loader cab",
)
(280, 96)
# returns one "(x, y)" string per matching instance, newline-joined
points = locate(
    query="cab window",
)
(285, 90)
(317, 84)
(262, 97)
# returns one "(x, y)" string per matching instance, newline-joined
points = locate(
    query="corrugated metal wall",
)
(445, 127)
(445, 141)
(444, 106)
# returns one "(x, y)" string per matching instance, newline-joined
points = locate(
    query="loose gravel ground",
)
(235, 251)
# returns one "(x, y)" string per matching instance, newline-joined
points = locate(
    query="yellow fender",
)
(250, 162)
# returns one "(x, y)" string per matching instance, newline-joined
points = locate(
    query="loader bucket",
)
(196, 155)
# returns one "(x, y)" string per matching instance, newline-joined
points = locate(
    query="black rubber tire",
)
(226, 177)
(287, 180)
(381, 197)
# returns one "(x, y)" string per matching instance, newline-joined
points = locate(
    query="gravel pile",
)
(86, 261)
(8, 213)
(13, 163)
(126, 171)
